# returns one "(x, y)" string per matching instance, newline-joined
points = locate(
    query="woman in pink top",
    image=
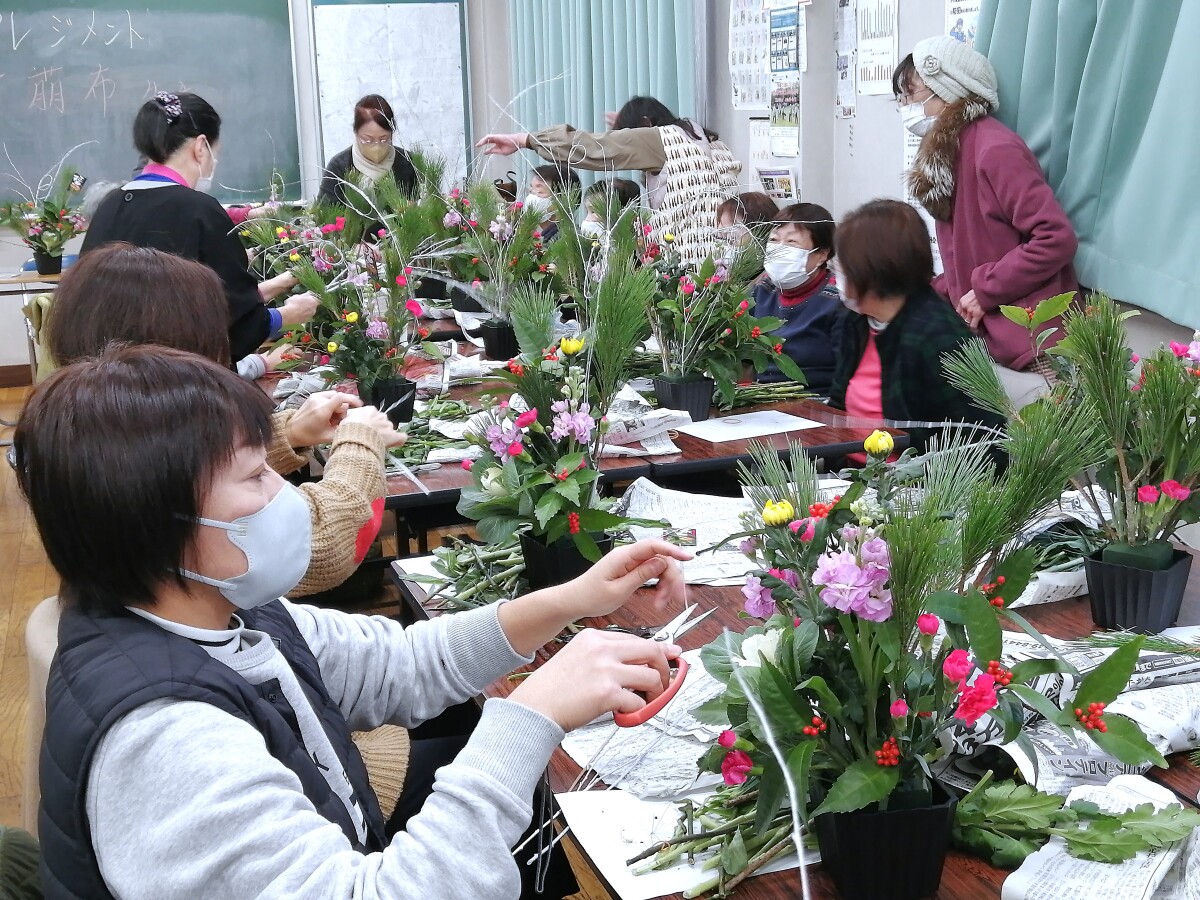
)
(1004, 238)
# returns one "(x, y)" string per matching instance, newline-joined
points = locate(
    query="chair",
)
(384, 750)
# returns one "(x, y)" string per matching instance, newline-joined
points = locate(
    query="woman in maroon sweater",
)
(1004, 238)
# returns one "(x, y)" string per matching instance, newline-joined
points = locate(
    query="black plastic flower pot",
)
(47, 264)
(549, 564)
(395, 397)
(1136, 599)
(464, 302)
(693, 393)
(430, 288)
(907, 849)
(499, 340)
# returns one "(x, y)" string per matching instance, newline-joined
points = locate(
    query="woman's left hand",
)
(503, 144)
(970, 310)
(608, 584)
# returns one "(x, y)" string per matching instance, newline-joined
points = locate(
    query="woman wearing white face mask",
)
(198, 728)
(545, 182)
(166, 207)
(372, 155)
(603, 204)
(1003, 237)
(799, 289)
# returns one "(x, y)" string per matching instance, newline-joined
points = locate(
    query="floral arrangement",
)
(703, 322)
(879, 638)
(45, 223)
(1146, 414)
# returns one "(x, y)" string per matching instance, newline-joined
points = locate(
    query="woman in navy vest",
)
(198, 728)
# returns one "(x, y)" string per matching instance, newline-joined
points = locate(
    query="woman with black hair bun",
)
(686, 168)
(167, 207)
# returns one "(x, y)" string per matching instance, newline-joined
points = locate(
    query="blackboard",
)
(77, 72)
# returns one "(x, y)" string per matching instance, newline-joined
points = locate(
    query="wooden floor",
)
(25, 578)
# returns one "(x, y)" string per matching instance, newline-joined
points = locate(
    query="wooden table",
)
(965, 877)
(26, 283)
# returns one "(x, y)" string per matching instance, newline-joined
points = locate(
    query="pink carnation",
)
(1179, 349)
(516, 448)
(1175, 490)
(402, 280)
(957, 665)
(976, 699)
(736, 766)
(726, 739)
(525, 419)
(899, 709)
(1147, 493)
(927, 623)
(805, 529)
(414, 306)
(467, 463)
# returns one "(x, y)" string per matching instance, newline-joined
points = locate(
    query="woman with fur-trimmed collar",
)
(1004, 238)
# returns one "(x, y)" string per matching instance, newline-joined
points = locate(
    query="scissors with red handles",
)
(678, 626)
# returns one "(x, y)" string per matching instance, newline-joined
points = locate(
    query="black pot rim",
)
(682, 379)
(1177, 557)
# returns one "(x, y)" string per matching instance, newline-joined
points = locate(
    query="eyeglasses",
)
(367, 142)
(905, 99)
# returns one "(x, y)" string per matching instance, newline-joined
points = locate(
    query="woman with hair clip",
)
(687, 170)
(372, 154)
(167, 207)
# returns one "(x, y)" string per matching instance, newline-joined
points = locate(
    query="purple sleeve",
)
(1048, 239)
(276, 322)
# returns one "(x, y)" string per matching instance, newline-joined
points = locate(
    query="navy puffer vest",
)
(107, 666)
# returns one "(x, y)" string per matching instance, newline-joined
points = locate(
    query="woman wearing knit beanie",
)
(1004, 238)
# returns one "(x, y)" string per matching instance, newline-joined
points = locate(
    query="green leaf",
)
(798, 762)
(497, 529)
(1103, 683)
(1017, 571)
(976, 615)
(1042, 704)
(862, 783)
(787, 712)
(790, 370)
(772, 790)
(548, 507)
(569, 463)
(719, 655)
(568, 490)
(1125, 740)
(1102, 842)
(804, 643)
(734, 857)
(1018, 315)
(829, 704)
(1032, 668)
(586, 544)
(1160, 826)
(712, 712)
(1051, 308)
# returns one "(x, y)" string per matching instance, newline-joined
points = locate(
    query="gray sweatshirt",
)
(184, 801)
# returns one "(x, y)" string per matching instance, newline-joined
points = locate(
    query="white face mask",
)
(914, 119)
(277, 541)
(592, 229)
(205, 183)
(787, 266)
(538, 204)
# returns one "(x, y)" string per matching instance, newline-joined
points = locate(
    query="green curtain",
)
(574, 60)
(1104, 92)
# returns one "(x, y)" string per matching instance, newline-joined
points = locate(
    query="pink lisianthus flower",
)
(500, 438)
(899, 709)
(736, 766)
(1175, 490)
(727, 739)
(1147, 493)
(525, 419)
(759, 602)
(976, 699)
(927, 623)
(957, 665)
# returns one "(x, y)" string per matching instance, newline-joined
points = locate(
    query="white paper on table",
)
(747, 425)
(1051, 873)
(453, 454)
(613, 826)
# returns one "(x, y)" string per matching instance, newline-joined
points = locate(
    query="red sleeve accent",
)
(369, 531)
(238, 214)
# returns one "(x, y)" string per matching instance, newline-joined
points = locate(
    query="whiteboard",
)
(412, 54)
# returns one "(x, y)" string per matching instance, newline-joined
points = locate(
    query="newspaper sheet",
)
(1053, 874)
(699, 522)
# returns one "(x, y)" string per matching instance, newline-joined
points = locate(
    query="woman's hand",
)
(609, 584)
(503, 144)
(373, 418)
(276, 356)
(970, 310)
(318, 418)
(594, 674)
(299, 309)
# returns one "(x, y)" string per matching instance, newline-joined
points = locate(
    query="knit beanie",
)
(953, 70)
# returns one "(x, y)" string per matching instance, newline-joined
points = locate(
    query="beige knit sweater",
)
(340, 503)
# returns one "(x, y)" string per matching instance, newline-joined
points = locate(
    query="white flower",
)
(867, 510)
(757, 646)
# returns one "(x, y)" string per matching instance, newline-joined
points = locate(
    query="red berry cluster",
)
(1093, 719)
(573, 522)
(989, 591)
(821, 510)
(515, 367)
(816, 727)
(1002, 675)
(888, 754)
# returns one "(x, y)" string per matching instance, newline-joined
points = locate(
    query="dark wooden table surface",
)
(964, 877)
